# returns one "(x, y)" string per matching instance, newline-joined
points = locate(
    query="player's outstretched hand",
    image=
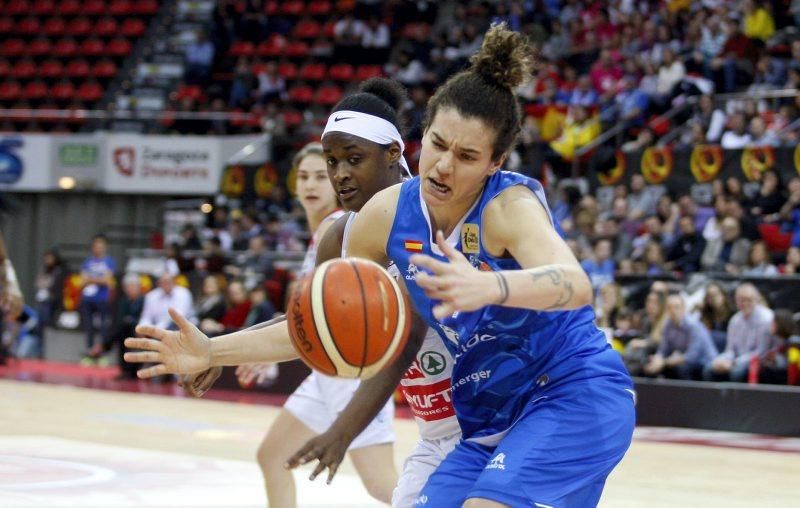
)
(328, 448)
(456, 283)
(184, 351)
(198, 384)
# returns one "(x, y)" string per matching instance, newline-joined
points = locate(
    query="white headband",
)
(369, 127)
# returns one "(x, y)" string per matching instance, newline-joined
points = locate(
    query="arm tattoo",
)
(557, 277)
(503, 283)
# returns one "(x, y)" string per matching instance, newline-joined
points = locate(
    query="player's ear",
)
(394, 153)
(496, 165)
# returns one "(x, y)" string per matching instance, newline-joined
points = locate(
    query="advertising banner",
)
(25, 163)
(180, 165)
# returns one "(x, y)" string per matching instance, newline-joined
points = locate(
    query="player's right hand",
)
(185, 351)
(327, 448)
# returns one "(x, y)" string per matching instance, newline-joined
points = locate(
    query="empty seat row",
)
(74, 7)
(64, 48)
(77, 27)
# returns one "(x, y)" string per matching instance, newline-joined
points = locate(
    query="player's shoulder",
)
(383, 202)
(511, 199)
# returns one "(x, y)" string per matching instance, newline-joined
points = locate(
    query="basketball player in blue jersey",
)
(546, 407)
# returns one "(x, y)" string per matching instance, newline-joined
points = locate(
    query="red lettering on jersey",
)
(430, 402)
(414, 371)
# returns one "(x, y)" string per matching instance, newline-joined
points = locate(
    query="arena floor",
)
(72, 446)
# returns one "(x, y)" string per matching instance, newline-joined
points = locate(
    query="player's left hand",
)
(328, 448)
(456, 283)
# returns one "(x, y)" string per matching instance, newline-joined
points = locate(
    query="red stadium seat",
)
(13, 47)
(62, 91)
(297, 49)
(6, 25)
(313, 72)
(79, 27)
(307, 29)
(272, 47)
(35, 90)
(28, 26)
(328, 29)
(24, 69)
(193, 92)
(106, 27)
(5, 67)
(365, 72)
(90, 91)
(242, 48)
(145, 7)
(65, 48)
(104, 69)
(54, 27)
(292, 118)
(342, 72)
(17, 7)
(776, 240)
(92, 47)
(9, 91)
(412, 30)
(40, 47)
(319, 8)
(328, 95)
(119, 47)
(51, 69)
(292, 8)
(43, 7)
(93, 7)
(120, 8)
(287, 70)
(69, 7)
(133, 27)
(301, 94)
(345, 5)
(77, 69)
(271, 8)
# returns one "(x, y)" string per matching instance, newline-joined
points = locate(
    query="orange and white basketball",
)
(348, 318)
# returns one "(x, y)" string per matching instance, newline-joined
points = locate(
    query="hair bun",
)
(389, 91)
(505, 57)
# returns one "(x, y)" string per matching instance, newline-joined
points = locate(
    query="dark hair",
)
(486, 89)
(785, 325)
(100, 236)
(379, 97)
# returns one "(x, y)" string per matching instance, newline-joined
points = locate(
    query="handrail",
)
(101, 114)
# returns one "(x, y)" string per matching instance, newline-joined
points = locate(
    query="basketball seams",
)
(401, 328)
(365, 342)
(300, 305)
(343, 368)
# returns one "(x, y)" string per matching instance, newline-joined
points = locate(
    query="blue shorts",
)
(557, 455)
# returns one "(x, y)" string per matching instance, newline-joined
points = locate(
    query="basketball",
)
(348, 318)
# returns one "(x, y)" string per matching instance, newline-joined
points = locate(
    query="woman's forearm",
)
(544, 288)
(268, 343)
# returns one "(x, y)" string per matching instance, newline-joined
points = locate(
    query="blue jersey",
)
(505, 357)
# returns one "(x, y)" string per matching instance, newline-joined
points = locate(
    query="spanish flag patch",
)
(414, 245)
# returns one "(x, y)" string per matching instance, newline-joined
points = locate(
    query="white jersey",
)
(310, 261)
(426, 384)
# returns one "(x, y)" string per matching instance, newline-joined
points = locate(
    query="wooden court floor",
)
(68, 446)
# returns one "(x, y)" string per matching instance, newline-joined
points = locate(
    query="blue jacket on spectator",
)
(691, 338)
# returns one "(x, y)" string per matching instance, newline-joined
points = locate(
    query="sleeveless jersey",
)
(310, 259)
(426, 384)
(505, 358)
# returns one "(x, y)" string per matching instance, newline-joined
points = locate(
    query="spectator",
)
(651, 323)
(758, 263)
(261, 309)
(242, 85)
(11, 300)
(257, 264)
(583, 94)
(579, 130)
(770, 199)
(213, 259)
(608, 302)
(271, 86)
(190, 240)
(653, 232)
(406, 70)
(97, 277)
(600, 267)
(127, 316)
(236, 314)
(711, 119)
(716, 311)
(632, 103)
(736, 58)
(199, 57)
(773, 363)
(790, 211)
(748, 227)
(641, 202)
(375, 40)
(212, 302)
(167, 295)
(49, 290)
(758, 22)
(605, 73)
(686, 346)
(736, 137)
(687, 249)
(792, 265)
(727, 253)
(759, 136)
(671, 72)
(748, 335)
(622, 244)
(347, 35)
